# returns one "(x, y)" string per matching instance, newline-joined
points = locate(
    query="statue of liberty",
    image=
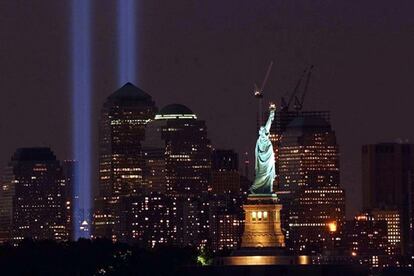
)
(265, 159)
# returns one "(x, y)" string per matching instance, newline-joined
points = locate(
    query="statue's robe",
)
(264, 167)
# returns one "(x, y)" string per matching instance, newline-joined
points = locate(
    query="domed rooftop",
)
(130, 92)
(309, 122)
(175, 111)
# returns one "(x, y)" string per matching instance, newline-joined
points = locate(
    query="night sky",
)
(207, 55)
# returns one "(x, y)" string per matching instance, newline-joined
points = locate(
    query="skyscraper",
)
(153, 154)
(122, 129)
(308, 163)
(33, 196)
(366, 238)
(187, 153)
(226, 200)
(283, 118)
(225, 221)
(225, 176)
(146, 218)
(387, 185)
(392, 219)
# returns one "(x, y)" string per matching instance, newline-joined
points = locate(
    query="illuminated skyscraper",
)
(308, 164)
(225, 221)
(282, 119)
(153, 154)
(187, 153)
(387, 185)
(226, 200)
(7, 193)
(225, 176)
(122, 129)
(392, 219)
(33, 196)
(366, 238)
(146, 219)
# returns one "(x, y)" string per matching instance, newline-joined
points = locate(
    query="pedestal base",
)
(262, 223)
(263, 260)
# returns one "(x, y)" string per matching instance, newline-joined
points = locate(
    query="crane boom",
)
(302, 99)
(296, 89)
(269, 68)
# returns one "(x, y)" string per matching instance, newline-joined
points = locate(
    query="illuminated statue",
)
(265, 159)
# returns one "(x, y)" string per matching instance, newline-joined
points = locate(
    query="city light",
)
(332, 226)
(81, 111)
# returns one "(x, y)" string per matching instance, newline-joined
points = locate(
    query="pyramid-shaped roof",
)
(130, 92)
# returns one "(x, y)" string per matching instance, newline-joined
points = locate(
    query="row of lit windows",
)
(259, 216)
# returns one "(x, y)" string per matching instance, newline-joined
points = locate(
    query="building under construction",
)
(307, 168)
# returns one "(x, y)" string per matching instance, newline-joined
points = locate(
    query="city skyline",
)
(206, 137)
(350, 79)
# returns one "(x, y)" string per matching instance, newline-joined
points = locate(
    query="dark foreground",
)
(85, 257)
(102, 257)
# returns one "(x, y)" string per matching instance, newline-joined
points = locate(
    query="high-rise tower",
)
(33, 197)
(187, 170)
(187, 151)
(122, 129)
(309, 184)
(387, 189)
(283, 118)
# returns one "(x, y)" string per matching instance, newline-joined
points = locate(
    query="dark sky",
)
(206, 55)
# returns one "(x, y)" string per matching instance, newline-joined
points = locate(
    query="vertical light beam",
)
(81, 115)
(126, 42)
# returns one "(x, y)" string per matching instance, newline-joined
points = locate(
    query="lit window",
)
(254, 216)
(259, 215)
(265, 215)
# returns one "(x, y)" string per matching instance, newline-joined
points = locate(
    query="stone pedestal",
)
(263, 242)
(262, 223)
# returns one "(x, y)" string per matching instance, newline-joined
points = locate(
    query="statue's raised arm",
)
(269, 121)
(265, 159)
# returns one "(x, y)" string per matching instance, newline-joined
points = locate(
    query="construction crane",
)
(258, 94)
(293, 94)
(299, 102)
(293, 97)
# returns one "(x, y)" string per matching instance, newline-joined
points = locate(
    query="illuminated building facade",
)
(225, 176)
(154, 173)
(33, 195)
(282, 119)
(308, 164)
(122, 129)
(225, 221)
(147, 218)
(187, 151)
(177, 154)
(393, 222)
(387, 185)
(366, 239)
(6, 204)
(153, 154)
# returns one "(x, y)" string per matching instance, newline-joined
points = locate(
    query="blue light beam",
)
(81, 115)
(126, 42)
